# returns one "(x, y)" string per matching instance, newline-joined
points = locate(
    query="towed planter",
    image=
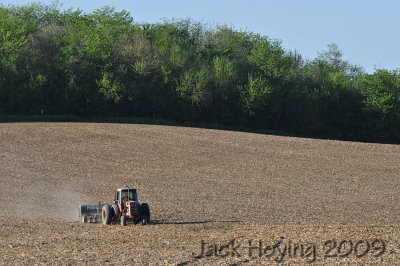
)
(90, 213)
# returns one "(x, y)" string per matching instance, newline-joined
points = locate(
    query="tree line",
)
(67, 62)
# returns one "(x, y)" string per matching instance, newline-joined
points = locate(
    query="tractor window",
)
(132, 195)
(128, 195)
(124, 196)
(118, 196)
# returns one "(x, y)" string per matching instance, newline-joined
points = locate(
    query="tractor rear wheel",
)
(145, 220)
(115, 209)
(145, 213)
(106, 214)
(123, 220)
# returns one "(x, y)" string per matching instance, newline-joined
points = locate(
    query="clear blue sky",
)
(367, 31)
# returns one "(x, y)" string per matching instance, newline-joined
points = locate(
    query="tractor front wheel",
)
(106, 214)
(123, 220)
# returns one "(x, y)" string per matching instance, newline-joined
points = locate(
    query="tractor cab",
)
(124, 195)
(128, 194)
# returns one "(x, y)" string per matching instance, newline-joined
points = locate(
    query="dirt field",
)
(234, 191)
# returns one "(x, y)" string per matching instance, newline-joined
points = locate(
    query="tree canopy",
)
(66, 62)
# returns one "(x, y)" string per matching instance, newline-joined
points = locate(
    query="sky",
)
(366, 31)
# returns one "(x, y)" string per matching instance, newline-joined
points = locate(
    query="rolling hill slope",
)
(200, 184)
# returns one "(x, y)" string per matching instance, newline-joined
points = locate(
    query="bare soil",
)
(220, 187)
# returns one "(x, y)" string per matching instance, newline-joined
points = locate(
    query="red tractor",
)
(126, 207)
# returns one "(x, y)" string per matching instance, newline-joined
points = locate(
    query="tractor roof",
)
(126, 189)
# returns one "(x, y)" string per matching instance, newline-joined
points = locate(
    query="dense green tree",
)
(66, 62)
(381, 92)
